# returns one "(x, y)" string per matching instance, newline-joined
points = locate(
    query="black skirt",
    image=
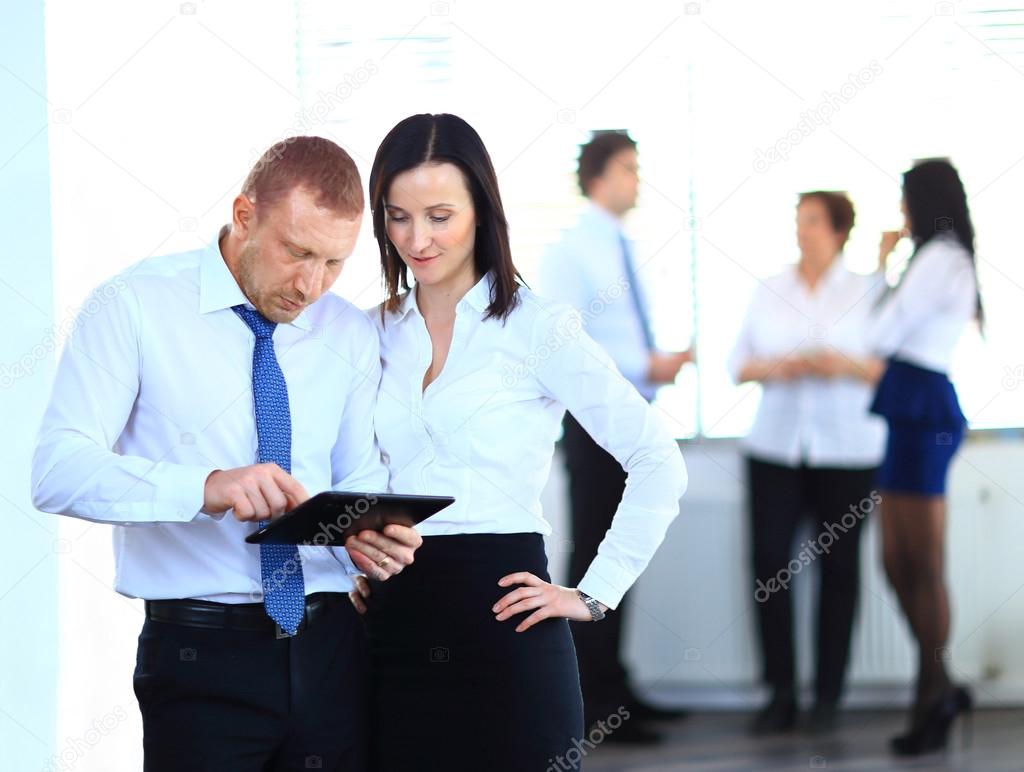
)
(454, 689)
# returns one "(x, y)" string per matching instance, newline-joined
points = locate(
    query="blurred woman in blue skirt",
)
(916, 328)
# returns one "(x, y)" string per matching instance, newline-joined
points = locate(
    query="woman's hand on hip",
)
(545, 600)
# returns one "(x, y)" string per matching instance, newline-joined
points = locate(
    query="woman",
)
(813, 450)
(916, 329)
(474, 664)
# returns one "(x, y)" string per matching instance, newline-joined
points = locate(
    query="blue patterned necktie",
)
(284, 590)
(634, 290)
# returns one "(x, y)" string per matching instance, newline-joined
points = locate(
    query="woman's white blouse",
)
(923, 318)
(484, 431)
(812, 420)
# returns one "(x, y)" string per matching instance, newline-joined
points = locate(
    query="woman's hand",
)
(887, 244)
(382, 555)
(359, 595)
(828, 363)
(546, 600)
(788, 369)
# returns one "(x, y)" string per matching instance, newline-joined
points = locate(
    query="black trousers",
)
(779, 498)
(596, 484)
(214, 700)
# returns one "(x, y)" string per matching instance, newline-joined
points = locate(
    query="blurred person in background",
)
(812, 452)
(916, 329)
(593, 264)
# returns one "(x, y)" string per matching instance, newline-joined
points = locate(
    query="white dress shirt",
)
(154, 392)
(585, 269)
(484, 431)
(923, 318)
(812, 420)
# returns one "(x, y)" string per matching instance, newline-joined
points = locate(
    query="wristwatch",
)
(596, 615)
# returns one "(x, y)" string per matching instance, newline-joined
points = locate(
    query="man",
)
(592, 268)
(201, 394)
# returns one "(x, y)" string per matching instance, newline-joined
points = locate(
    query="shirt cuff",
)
(606, 581)
(342, 556)
(180, 491)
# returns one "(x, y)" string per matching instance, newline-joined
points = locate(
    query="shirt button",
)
(384, 457)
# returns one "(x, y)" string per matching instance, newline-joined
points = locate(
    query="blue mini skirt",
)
(926, 427)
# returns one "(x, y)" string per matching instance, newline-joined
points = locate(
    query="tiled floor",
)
(720, 742)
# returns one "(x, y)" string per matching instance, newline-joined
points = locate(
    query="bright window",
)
(736, 111)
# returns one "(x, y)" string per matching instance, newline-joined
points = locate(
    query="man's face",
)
(621, 181)
(291, 253)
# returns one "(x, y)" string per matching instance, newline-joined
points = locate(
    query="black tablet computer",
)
(329, 518)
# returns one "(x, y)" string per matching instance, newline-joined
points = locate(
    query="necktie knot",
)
(257, 322)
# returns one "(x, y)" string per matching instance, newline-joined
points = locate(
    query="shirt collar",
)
(601, 219)
(407, 304)
(219, 290)
(478, 298)
(833, 274)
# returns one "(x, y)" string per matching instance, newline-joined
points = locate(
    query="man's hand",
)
(359, 595)
(382, 555)
(664, 368)
(257, 492)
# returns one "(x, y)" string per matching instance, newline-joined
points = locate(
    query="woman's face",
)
(430, 219)
(814, 232)
(906, 215)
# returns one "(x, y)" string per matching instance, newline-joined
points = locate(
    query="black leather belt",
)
(237, 616)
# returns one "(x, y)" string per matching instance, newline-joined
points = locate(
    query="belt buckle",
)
(280, 632)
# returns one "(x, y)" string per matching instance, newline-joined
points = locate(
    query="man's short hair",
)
(313, 163)
(596, 153)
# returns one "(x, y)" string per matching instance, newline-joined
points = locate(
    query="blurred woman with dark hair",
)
(916, 329)
(812, 452)
(474, 663)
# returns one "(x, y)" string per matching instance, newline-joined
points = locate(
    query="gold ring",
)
(384, 562)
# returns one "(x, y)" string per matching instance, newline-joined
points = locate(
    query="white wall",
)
(28, 566)
(691, 634)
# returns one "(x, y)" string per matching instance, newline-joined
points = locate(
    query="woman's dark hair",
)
(839, 207)
(937, 204)
(595, 155)
(436, 139)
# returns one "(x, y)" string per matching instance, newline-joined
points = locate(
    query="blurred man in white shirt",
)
(593, 269)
